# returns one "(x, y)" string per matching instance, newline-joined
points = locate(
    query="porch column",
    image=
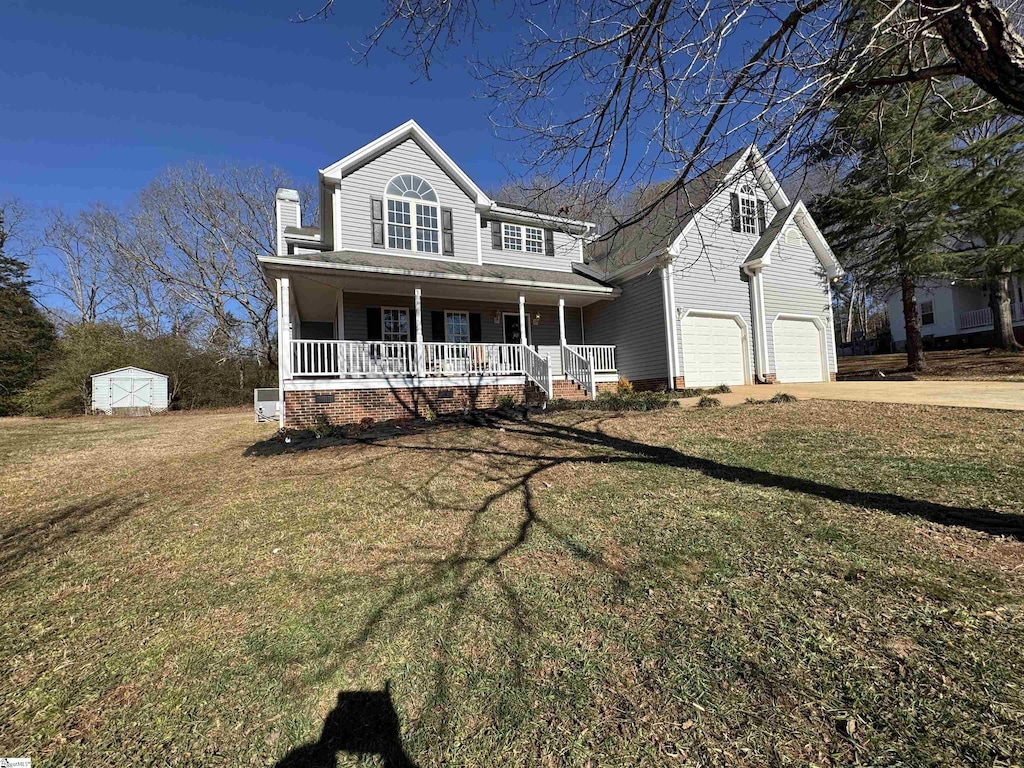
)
(283, 342)
(522, 319)
(419, 331)
(341, 316)
(561, 320)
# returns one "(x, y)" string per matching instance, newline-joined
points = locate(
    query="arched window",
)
(748, 210)
(408, 195)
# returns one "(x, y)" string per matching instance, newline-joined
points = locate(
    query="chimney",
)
(289, 214)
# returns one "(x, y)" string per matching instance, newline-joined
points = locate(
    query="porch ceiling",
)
(381, 273)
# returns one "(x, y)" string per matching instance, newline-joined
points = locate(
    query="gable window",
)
(748, 210)
(394, 323)
(927, 313)
(412, 214)
(456, 327)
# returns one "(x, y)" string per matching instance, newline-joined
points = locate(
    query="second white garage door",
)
(713, 351)
(797, 350)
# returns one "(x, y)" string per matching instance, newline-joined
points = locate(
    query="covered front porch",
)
(366, 331)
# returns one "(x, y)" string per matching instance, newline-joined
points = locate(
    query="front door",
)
(513, 333)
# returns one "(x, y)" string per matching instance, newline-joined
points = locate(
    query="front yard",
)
(813, 583)
(971, 364)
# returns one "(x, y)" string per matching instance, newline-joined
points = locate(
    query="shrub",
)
(754, 401)
(507, 402)
(322, 426)
(707, 401)
(783, 397)
(625, 386)
(428, 414)
(366, 423)
(721, 389)
(616, 401)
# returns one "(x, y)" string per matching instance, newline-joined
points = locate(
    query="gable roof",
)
(407, 130)
(638, 239)
(796, 213)
(130, 368)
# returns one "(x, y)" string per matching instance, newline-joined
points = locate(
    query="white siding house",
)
(129, 388)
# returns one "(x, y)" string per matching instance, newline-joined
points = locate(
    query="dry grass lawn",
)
(970, 364)
(815, 583)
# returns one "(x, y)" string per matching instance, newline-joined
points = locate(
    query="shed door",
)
(129, 392)
(797, 350)
(712, 351)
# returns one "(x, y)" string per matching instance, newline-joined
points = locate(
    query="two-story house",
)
(419, 292)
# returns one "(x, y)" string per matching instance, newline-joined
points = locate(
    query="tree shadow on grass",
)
(362, 723)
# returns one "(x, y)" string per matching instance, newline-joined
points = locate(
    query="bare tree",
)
(613, 89)
(81, 276)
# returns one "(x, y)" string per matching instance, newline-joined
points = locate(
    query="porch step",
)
(567, 389)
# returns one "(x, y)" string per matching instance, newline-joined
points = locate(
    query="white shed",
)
(129, 391)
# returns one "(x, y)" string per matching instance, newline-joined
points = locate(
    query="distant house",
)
(129, 390)
(954, 314)
(419, 291)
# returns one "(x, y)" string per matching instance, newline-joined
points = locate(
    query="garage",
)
(798, 349)
(714, 350)
(129, 391)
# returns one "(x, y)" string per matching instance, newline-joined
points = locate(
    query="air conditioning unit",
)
(267, 404)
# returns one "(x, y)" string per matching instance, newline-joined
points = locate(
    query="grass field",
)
(974, 364)
(813, 583)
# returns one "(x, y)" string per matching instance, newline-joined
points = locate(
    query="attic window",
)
(407, 185)
(792, 236)
(748, 210)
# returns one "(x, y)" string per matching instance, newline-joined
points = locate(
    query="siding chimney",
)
(289, 214)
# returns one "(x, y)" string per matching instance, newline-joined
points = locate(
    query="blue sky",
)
(97, 98)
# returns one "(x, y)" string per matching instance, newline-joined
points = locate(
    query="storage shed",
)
(129, 391)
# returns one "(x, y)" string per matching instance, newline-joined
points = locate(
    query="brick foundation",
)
(563, 389)
(832, 376)
(650, 385)
(347, 406)
(679, 382)
(769, 378)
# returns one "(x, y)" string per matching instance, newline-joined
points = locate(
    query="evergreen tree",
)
(888, 213)
(988, 155)
(27, 334)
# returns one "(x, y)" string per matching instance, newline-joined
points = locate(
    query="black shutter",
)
(762, 217)
(496, 235)
(475, 331)
(734, 202)
(549, 242)
(373, 325)
(437, 326)
(377, 221)
(447, 236)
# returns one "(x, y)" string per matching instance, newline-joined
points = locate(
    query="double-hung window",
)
(412, 215)
(927, 313)
(518, 238)
(456, 327)
(748, 210)
(394, 323)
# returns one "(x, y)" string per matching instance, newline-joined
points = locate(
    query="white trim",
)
(457, 312)
(408, 313)
(523, 320)
(502, 210)
(524, 338)
(394, 137)
(748, 376)
(479, 241)
(338, 243)
(400, 382)
(583, 327)
(672, 319)
(414, 227)
(130, 367)
(822, 342)
(832, 333)
(805, 222)
(274, 260)
(341, 315)
(669, 327)
(561, 320)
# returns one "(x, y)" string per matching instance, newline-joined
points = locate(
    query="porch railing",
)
(538, 369)
(579, 369)
(600, 356)
(979, 318)
(403, 358)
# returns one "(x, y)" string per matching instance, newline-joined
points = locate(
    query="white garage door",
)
(130, 392)
(797, 350)
(712, 351)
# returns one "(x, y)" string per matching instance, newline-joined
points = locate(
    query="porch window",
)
(403, 192)
(512, 239)
(394, 323)
(456, 327)
(748, 210)
(927, 313)
(534, 240)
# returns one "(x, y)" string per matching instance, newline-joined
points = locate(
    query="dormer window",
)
(412, 214)
(748, 210)
(519, 238)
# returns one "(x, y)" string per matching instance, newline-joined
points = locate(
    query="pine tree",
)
(988, 155)
(27, 334)
(888, 214)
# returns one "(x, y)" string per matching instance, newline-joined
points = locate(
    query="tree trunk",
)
(850, 314)
(912, 322)
(999, 301)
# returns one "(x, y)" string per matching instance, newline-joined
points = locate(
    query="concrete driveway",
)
(1003, 395)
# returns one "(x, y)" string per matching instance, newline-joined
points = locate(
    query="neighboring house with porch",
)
(954, 314)
(418, 291)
